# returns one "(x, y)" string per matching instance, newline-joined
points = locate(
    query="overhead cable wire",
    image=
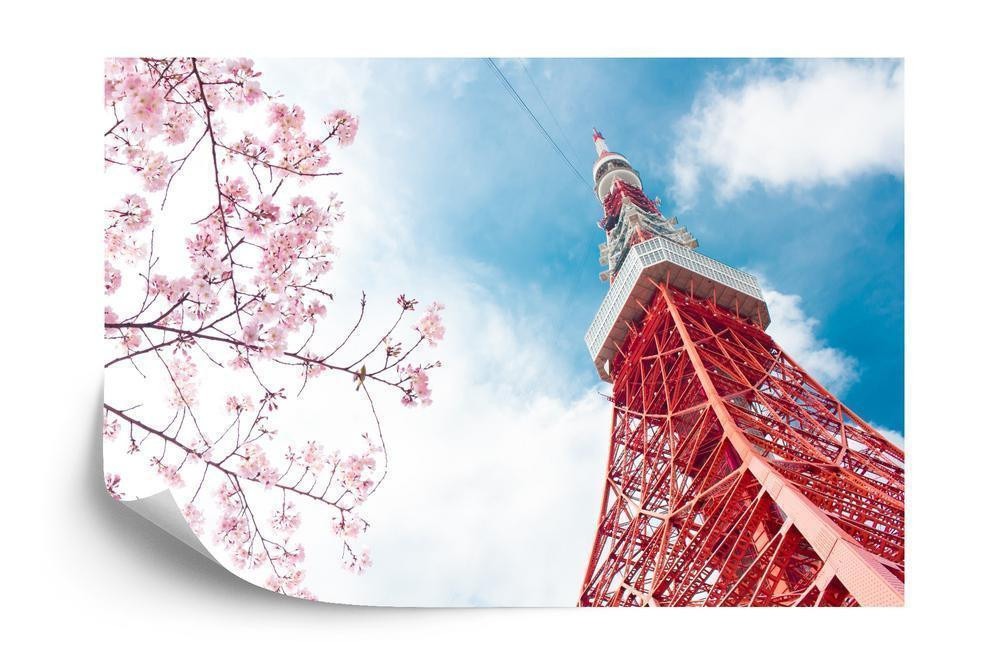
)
(548, 108)
(541, 128)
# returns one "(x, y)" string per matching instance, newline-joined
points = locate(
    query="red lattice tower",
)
(733, 478)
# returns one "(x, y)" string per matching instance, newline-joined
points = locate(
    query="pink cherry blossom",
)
(170, 474)
(313, 457)
(236, 191)
(257, 467)
(348, 526)
(239, 403)
(359, 564)
(111, 482)
(316, 310)
(248, 297)
(131, 339)
(284, 119)
(195, 519)
(183, 375)
(145, 109)
(177, 123)
(112, 278)
(156, 171)
(286, 520)
(342, 125)
(430, 326)
(134, 213)
(419, 386)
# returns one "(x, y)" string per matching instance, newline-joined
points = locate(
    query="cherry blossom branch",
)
(252, 285)
(161, 434)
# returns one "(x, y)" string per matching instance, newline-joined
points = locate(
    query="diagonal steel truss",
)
(735, 479)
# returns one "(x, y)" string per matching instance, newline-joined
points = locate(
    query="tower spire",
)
(599, 143)
(610, 167)
(630, 216)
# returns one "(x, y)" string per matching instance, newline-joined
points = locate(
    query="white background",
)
(85, 578)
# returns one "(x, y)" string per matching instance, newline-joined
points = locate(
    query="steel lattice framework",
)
(734, 478)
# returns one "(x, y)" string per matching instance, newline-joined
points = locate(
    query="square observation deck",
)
(660, 260)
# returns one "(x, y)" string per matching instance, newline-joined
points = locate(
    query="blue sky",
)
(491, 189)
(792, 170)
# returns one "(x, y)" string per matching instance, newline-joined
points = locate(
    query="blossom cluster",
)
(256, 466)
(342, 125)
(248, 299)
(237, 532)
(122, 223)
(291, 149)
(430, 325)
(418, 391)
(111, 482)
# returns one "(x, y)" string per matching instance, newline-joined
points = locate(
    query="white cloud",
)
(494, 490)
(816, 122)
(795, 331)
(455, 75)
(891, 435)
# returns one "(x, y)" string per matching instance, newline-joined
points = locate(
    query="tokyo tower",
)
(733, 477)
